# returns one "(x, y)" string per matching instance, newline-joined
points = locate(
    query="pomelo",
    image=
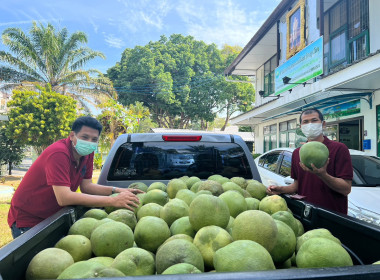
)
(301, 230)
(218, 178)
(109, 239)
(231, 186)
(157, 186)
(174, 186)
(242, 255)
(84, 226)
(239, 181)
(209, 240)
(182, 226)
(195, 186)
(185, 195)
(48, 264)
(314, 152)
(139, 185)
(178, 251)
(89, 269)
(151, 232)
(257, 226)
(78, 246)
(95, 213)
(319, 232)
(213, 186)
(235, 201)
(150, 209)
(230, 224)
(178, 236)
(125, 216)
(285, 244)
(191, 181)
(107, 261)
(322, 252)
(256, 189)
(272, 204)
(173, 210)
(181, 268)
(156, 196)
(288, 219)
(252, 203)
(207, 210)
(135, 262)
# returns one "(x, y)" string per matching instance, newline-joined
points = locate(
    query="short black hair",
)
(310, 111)
(86, 121)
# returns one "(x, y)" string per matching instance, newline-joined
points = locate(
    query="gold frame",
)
(290, 51)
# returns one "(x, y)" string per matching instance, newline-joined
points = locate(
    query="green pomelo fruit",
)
(95, 213)
(322, 252)
(208, 210)
(181, 268)
(157, 186)
(194, 188)
(110, 209)
(202, 192)
(209, 240)
(150, 209)
(285, 244)
(109, 239)
(182, 226)
(288, 219)
(230, 224)
(139, 185)
(48, 264)
(178, 251)
(257, 226)
(252, 203)
(107, 261)
(103, 221)
(179, 236)
(378, 262)
(213, 186)
(173, 210)
(151, 232)
(89, 269)
(134, 262)
(140, 196)
(185, 195)
(256, 189)
(78, 246)
(184, 178)
(218, 178)
(272, 204)
(319, 232)
(246, 194)
(231, 186)
(156, 196)
(314, 152)
(191, 181)
(84, 226)
(235, 201)
(174, 186)
(239, 181)
(301, 230)
(124, 216)
(242, 255)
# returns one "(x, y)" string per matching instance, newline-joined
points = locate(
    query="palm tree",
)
(48, 56)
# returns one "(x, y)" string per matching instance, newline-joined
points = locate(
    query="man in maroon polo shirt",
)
(52, 180)
(329, 185)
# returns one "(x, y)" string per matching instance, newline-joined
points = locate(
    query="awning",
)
(272, 110)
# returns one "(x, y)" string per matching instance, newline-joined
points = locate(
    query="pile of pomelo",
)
(189, 226)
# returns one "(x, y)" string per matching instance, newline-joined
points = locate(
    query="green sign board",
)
(303, 66)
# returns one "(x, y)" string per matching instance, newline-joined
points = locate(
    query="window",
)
(346, 36)
(270, 161)
(288, 133)
(168, 160)
(269, 78)
(286, 164)
(270, 137)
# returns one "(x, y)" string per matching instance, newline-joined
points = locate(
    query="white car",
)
(363, 201)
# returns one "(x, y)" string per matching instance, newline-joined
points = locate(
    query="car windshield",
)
(168, 160)
(367, 169)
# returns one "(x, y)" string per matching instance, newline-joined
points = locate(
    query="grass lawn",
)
(5, 232)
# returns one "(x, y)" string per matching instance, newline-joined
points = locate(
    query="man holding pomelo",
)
(52, 180)
(329, 185)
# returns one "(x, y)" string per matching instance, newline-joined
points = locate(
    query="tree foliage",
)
(11, 150)
(179, 79)
(40, 118)
(50, 56)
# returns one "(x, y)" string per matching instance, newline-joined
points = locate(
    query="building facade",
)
(321, 54)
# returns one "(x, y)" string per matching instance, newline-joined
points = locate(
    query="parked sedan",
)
(363, 201)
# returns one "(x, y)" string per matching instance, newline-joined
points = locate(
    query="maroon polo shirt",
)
(34, 199)
(315, 190)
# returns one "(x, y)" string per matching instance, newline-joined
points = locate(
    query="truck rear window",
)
(168, 160)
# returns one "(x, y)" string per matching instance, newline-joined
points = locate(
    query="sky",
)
(114, 25)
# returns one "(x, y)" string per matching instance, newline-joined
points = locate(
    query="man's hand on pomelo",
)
(317, 171)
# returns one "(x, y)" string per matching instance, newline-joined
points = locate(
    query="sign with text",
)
(303, 66)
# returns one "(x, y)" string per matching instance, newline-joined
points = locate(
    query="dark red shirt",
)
(315, 190)
(34, 199)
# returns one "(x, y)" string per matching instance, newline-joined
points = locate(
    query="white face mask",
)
(312, 130)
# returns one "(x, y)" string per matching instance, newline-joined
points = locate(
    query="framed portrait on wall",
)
(295, 22)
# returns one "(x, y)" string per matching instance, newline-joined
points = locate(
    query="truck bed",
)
(361, 239)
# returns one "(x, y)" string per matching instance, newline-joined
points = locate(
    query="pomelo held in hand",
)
(314, 153)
